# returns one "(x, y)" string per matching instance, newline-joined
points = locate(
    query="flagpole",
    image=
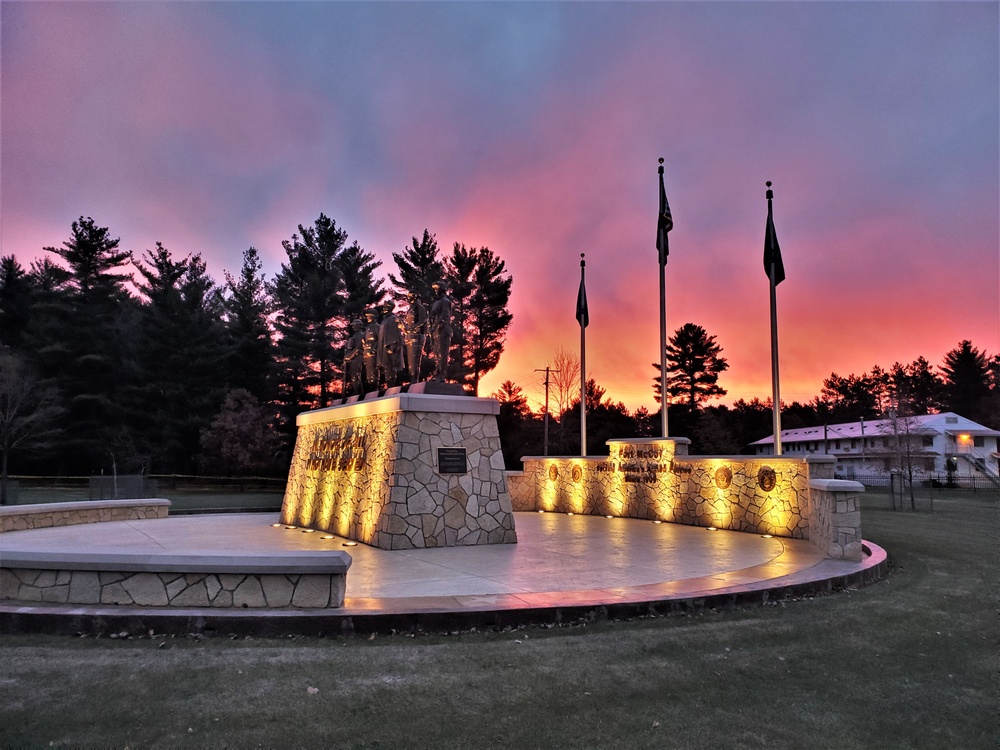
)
(583, 362)
(662, 247)
(775, 388)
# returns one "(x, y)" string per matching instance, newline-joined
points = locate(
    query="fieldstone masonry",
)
(158, 589)
(46, 515)
(835, 522)
(372, 471)
(655, 479)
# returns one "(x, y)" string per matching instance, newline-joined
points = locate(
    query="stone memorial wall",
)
(402, 471)
(655, 479)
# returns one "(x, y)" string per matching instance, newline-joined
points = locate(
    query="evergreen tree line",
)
(967, 383)
(115, 363)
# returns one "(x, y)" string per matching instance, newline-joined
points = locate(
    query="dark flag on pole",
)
(582, 311)
(772, 253)
(664, 222)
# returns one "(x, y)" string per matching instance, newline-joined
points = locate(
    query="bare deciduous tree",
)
(28, 412)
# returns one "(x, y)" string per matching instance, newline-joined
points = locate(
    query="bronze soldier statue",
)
(369, 348)
(354, 360)
(390, 346)
(414, 336)
(440, 329)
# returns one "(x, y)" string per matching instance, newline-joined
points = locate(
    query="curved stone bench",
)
(47, 515)
(296, 579)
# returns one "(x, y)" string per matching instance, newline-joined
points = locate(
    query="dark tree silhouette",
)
(246, 305)
(76, 338)
(967, 381)
(693, 367)
(240, 440)
(488, 317)
(308, 294)
(29, 412)
(177, 348)
(419, 267)
(16, 290)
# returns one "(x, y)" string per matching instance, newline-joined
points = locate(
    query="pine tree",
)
(246, 305)
(917, 386)
(15, 302)
(488, 318)
(419, 267)
(179, 357)
(460, 268)
(967, 381)
(693, 367)
(77, 338)
(323, 285)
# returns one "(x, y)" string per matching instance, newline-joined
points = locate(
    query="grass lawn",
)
(909, 662)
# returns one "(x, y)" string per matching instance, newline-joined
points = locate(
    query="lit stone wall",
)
(152, 589)
(835, 523)
(656, 479)
(47, 515)
(370, 471)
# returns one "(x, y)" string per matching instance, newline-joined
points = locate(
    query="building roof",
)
(927, 424)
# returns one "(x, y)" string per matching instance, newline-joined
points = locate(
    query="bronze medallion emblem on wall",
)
(766, 478)
(723, 477)
(577, 474)
(553, 472)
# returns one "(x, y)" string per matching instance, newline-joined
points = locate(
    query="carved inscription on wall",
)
(338, 447)
(644, 463)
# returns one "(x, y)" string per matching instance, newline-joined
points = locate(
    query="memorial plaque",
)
(452, 461)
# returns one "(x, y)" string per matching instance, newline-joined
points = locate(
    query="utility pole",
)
(545, 421)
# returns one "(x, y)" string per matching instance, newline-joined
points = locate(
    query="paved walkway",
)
(559, 563)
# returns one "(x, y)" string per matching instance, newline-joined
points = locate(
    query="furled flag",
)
(582, 312)
(772, 253)
(664, 222)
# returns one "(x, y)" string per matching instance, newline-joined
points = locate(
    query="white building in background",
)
(932, 441)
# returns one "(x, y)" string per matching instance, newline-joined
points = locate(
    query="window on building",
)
(854, 443)
(836, 443)
(927, 441)
(978, 441)
(951, 420)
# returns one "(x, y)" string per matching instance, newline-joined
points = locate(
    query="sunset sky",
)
(534, 129)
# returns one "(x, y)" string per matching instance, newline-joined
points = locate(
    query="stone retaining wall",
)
(298, 579)
(148, 589)
(835, 522)
(656, 479)
(46, 515)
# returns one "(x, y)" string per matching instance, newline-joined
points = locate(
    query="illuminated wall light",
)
(308, 531)
(569, 513)
(350, 544)
(657, 521)
(767, 536)
(711, 528)
(328, 536)
(275, 525)
(541, 510)
(609, 516)
(291, 528)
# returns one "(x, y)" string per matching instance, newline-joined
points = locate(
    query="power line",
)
(545, 431)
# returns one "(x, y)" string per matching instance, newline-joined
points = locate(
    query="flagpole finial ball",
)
(661, 160)
(768, 183)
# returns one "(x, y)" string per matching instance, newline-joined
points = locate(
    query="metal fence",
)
(976, 483)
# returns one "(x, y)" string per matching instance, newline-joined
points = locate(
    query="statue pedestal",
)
(402, 471)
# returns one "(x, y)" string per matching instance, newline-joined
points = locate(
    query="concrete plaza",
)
(563, 567)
